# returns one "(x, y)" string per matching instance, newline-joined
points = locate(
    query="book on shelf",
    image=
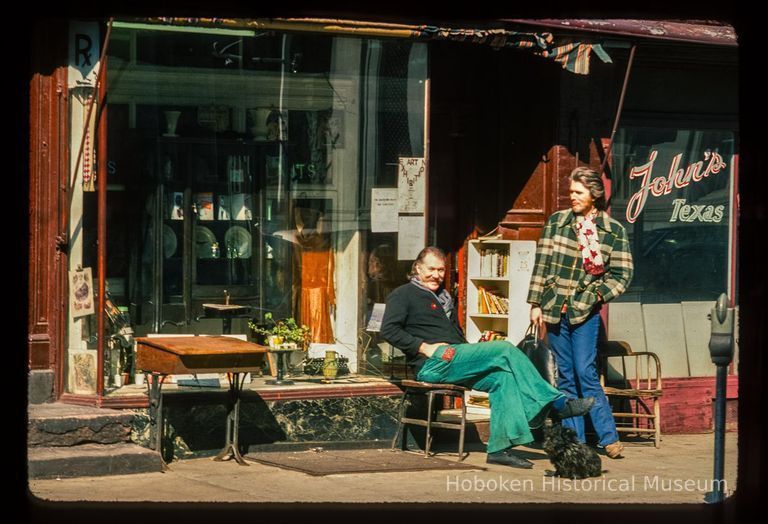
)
(483, 305)
(477, 402)
(488, 304)
(490, 301)
(502, 303)
(492, 305)
(490, 335)
(493, 263)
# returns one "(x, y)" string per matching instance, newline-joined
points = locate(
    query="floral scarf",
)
(589, 244)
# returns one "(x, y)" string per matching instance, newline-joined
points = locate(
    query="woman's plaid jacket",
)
(559, 276)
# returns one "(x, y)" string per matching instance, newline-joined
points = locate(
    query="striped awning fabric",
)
(573, 57)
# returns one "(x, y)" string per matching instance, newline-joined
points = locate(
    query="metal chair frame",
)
(640, 384)
(413, 387)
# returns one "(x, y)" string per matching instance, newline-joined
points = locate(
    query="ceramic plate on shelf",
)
(237, 241)
(204, 243)
(169, 241)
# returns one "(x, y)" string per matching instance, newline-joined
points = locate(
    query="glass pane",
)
(253, 159)
(673, 195)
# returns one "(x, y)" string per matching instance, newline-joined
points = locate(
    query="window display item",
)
(238, 242)
(204, 206)
(205, 243)
(316, 268)
(259, 122)
(170, 243)
(225, 213)
(171, 120)
(241, 206)
(177, 206)
(81, 292)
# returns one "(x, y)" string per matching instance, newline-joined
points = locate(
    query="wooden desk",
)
(164, 356)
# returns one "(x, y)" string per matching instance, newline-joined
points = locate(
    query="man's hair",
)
(429, 250)
(592, 180)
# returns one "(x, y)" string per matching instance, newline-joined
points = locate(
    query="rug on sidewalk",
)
(320, 462)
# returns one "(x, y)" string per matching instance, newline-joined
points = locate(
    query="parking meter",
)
(721, 341)
(721, 352)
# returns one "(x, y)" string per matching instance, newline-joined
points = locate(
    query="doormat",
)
(318, 462)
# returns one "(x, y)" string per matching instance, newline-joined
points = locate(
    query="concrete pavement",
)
(679, 471)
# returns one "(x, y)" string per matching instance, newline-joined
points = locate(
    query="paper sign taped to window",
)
(411, 236)
(383, 210)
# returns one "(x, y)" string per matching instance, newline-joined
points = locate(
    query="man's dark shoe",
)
(507, 458)
(576, 407)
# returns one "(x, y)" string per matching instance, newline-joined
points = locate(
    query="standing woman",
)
(583, 260)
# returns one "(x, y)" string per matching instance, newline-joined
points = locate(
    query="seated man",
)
(421, 320)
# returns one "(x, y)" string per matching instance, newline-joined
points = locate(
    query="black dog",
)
(571, 458)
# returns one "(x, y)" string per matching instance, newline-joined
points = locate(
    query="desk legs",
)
(231, 448)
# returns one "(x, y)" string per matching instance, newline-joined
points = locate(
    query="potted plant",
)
(284, 334)
(284, 331)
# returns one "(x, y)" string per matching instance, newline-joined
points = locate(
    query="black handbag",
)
(540, 354)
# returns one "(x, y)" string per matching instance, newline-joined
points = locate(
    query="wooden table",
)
(164, 356)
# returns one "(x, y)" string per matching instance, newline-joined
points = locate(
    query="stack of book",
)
(478, 402)
(490, 301)
(489, 335)
(493, 263)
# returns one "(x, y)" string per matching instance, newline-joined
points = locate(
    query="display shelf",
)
(501, 268)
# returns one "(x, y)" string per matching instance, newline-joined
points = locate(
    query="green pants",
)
(515, 388)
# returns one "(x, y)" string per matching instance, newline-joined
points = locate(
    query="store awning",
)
(691, 31)
(573, 56)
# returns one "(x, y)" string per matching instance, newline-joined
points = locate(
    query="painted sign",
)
(677, 178)
(84, 54)
(411, 184)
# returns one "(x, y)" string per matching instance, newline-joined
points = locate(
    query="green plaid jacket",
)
(559, 276)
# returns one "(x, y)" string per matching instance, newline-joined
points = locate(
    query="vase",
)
(171, 119)
(330, 365)
(259, 122)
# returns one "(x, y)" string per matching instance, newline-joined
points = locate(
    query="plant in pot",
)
(284, 331)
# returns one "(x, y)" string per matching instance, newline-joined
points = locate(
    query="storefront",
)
(296, 169)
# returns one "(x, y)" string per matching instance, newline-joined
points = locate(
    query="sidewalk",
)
(679, 471)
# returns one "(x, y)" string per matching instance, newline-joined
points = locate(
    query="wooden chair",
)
(637, 383)
(413, 387)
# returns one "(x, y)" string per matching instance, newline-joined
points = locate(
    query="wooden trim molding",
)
(48, 157)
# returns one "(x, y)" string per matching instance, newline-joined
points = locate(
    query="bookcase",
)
(498, 275)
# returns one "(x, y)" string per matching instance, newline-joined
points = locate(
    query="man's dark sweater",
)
(412, 316)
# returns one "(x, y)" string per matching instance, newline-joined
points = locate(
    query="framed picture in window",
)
(81, 292)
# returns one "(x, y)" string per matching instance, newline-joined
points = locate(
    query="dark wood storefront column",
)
(48, 160)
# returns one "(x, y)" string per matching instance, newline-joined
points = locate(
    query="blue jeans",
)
(575, 349)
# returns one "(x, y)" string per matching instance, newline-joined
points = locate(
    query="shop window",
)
(244, 162)
(671, 188)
